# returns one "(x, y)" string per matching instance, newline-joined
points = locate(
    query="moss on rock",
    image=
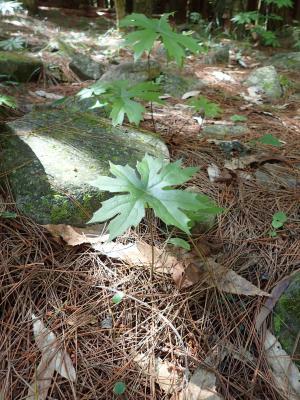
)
(52, 156)
(19, 66)
(286, 320)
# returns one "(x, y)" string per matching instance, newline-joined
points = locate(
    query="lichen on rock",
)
(51, 157)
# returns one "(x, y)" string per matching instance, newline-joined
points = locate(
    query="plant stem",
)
(150, 221)
(151, 104)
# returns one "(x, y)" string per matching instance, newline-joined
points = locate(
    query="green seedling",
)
(206, 107)
(151, 185)
(119, 97)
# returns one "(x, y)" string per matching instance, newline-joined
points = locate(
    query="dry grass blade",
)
(285, 373)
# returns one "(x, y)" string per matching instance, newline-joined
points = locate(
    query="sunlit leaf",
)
(7, 101)
(150, 30)
(120, 97)
(151, 187)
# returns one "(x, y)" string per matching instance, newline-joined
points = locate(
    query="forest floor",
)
(167, 328)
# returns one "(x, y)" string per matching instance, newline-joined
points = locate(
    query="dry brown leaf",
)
(226, 280)
(284, 371)
(164, 372)
(39, 388)
(75, 236)
(246, 161)
(190, 271)
(270, 303)
(139, 253)
(202, 386)
(53, 359)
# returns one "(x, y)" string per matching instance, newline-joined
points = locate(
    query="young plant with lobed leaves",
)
(119, 97)
(149, 30)
(151, 185)
(204, 106)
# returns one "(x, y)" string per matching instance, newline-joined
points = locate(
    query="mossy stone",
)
(50, 158)
(267, 80)
(176, 85)
(286, 60)
(286, 320)
(19, 66)
(85, 67)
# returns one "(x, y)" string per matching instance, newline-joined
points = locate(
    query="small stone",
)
(86, 68)
(276, 175)
(177, 85)
(134, 72)
(218, 55)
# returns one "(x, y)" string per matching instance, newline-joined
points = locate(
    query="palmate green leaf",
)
(150, 30)
(268, 138)
(202, 104)
(119, 95)
(151, 186)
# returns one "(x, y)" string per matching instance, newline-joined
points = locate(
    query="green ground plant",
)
(119, 98)
(206, 107)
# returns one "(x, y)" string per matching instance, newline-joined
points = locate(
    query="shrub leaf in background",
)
(12, 44)
(151, 187)
(149, 30)
(119, 97)
(7, 101)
